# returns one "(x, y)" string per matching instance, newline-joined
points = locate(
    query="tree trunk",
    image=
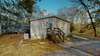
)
(29, 33)
(92, 23)
(86, 8)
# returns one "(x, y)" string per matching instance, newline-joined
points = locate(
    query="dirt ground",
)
(15, 45)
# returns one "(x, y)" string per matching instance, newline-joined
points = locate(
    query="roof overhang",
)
(51, 17)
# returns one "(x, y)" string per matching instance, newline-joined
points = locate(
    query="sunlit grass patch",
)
(18, 47)
(98, 31)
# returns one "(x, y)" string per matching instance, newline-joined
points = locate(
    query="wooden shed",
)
(39, 27)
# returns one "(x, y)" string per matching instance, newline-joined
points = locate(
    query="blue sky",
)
(53, 5)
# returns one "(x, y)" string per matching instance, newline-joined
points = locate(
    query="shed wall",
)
(39, 27)
(64, 26)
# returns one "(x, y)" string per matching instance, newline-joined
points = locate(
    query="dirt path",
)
(78, 48)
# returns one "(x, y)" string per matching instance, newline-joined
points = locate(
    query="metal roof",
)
(51, 17)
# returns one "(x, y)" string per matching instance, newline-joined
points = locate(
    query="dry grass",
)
(85, 31)
(14, 45)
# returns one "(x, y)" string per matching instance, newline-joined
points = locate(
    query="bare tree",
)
(87, 9)
(68, 14)
(28, 6)
(88, 4)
